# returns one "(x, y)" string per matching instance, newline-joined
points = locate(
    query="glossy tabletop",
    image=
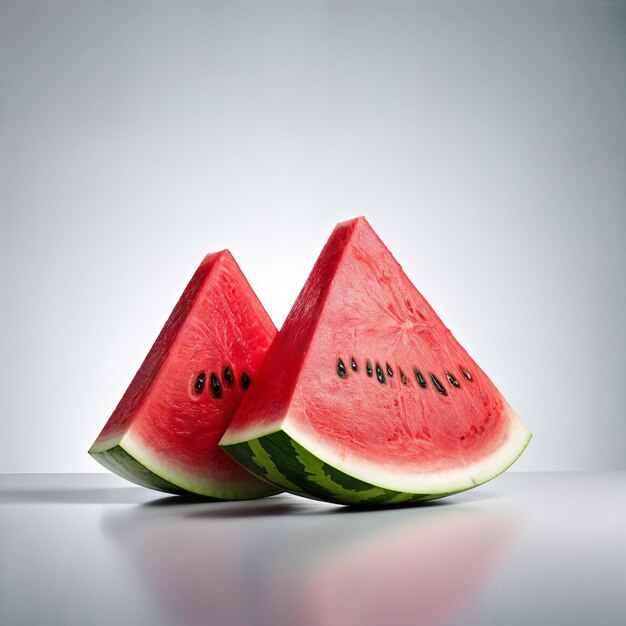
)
(527, 548)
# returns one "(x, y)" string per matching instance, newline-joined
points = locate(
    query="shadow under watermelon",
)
(283, 561)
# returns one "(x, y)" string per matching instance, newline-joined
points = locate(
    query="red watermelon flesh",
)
(366, 388)
(164, 433)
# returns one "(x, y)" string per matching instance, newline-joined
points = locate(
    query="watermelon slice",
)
(365, 396)
(165, 431)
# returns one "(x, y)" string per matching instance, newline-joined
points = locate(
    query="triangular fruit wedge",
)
(365, 396)
(165, 431)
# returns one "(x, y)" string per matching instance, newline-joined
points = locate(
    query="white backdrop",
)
(485, 142)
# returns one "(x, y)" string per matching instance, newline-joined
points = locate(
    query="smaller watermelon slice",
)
(365, 397)
(165, 431)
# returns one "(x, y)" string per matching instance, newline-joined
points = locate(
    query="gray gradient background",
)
(485, 142)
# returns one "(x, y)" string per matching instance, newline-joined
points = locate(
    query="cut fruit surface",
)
(165, 431)
(365, 396)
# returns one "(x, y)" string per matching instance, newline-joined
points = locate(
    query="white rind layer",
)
(255, 431)
(103, 444)
(204, 485)
(445, 482)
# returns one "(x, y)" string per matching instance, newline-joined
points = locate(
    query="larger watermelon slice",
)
(165, 430)
(365, 396)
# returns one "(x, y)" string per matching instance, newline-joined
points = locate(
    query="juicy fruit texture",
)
(365, 396)
(165, 431)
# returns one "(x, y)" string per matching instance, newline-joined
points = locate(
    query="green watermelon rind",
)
(279, 459)
(127, 464)
(304, 474)
(117, 460)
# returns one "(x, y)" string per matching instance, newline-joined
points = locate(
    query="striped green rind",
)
(282, 461)
(120, 461)
(117, 460)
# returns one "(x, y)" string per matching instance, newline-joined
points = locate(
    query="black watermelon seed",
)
(438, 386)
(466, 373)
(379, 374)
(228, 376)
(452, 380)
(420, 379)
(402, 377)
(245, 380)
(341, 369)
(368, 368)
(389, 370)
(353, 364)
(199, 384)
(216, 388)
